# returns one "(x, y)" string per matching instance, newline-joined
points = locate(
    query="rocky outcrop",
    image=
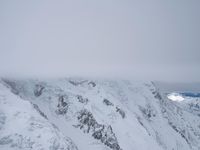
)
(121, 112)
(62, 105)
(23, 127)
(38, 110)
(107, 102)
(82, 100)
(195, 106)
(19, 141)
(93, 84)
(148, 112)
(100, 132)
(12, 85)
(76, 83)
(2, 119)
(38, 90)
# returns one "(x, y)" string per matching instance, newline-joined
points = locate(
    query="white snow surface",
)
(141, 116)
(22, 127)
(175, 97)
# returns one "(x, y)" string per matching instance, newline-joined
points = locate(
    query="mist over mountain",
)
(157, 40)
(99, 75)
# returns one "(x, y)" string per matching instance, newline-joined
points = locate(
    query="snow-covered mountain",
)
(81, 114)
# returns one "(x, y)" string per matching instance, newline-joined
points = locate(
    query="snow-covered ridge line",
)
(22, 127)
(105, 114)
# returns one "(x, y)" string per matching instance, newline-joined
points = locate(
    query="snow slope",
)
(97, 114)
(22, 127)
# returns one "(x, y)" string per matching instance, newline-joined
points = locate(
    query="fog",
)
(150, 40)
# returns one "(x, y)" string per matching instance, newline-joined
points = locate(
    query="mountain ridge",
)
(108, 114)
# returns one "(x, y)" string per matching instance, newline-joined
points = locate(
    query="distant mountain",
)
(179, 87)
(189, 94)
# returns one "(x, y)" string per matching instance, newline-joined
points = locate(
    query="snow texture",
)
(75, 113)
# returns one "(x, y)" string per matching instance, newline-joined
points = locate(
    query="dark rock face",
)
(38, 110)
(181, 132)
(107, 102)
(76, 83)
(13, 86)
(57, 146)
(71, 146)
(82, 100)
(148, 112)
(38, 90)
(157, 95)
(17, 141)
(92, 83)
(73, 82)
(121, 112)
(195, 106)
(100, 132)
(2, 120)
(5, 140)
(62, 105)
(87, 121)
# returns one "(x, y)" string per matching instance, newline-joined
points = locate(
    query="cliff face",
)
(94, 114)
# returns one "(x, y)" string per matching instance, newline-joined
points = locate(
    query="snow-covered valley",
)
(82, 114)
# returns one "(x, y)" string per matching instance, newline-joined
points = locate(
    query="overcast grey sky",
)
(145, 39)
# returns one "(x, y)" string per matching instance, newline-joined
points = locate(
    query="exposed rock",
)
(98, 131)
(82, 100)
(109, 138)
(17, 141)
(93, 84)
(148, 112)
(121, 112)
(157, 95)
(5, 140)
(62, 105)
(2, 120)
(101, 132)
(71, 144)
(76, 83)
(87, 121)
(182, 133)
(12, 85)
(195, 106)
(107, 102)
(38, 110)
(38, 90)
(56, 145)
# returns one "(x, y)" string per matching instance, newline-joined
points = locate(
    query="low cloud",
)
(130, 39)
